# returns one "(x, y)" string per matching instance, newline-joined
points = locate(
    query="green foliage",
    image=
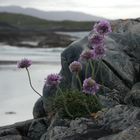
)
(72, 104)
(28, 22)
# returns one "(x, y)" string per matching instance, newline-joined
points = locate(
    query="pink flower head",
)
(53, 80)
(99, 52)
(95, 39)
(86, 55)
(24, 63)
(75, 66)
(90, 86)
(103, 27)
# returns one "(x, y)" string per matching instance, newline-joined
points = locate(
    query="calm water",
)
(75, 34)
(15, 94)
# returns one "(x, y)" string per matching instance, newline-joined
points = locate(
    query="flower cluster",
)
(90, 86)
(24, 63)
(97, 51)
(86, 55)
(53, 80)
(75, 66)
(103, 27)
(96, 39)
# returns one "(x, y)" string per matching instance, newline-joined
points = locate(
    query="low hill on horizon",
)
(15, 22)
(51, 15)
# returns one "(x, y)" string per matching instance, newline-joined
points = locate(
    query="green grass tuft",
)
(72, 104)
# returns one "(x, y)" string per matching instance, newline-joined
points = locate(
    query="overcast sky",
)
(105, 8)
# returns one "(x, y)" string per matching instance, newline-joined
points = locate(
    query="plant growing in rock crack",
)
(78, 104)
(81, 101)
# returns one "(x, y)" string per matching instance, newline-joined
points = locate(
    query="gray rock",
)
(68, 56)
(135, 28)
(60, 132)
(122, 26)
(132, 48)
(9, 131)
(78, 129)
(131, 133)
(38, 109)
(37, 128)
(14, 137)
(133, 97)
(49, 91)
(17, 131)
(116, 71)
(119, 117)
(56, 124)
(107, 102)
(27, 130)
(119, 122)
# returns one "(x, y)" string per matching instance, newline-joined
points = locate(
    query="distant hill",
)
(13, 22)
(51, 15)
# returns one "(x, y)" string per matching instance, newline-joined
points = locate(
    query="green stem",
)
(87, 107)
(78, 78)
(102, 82)
(65, 106)
(30, 82)
(86, 71)
(97, 68)
(92, 68)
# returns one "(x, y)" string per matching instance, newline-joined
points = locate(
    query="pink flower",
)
(99, 52)
(86, 55)
(53, 80)
(90, 86)
(24, 63)
(103, 27)
(75, 66)
(95, 39)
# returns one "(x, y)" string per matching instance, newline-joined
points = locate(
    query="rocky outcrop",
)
(28, 130)
(109, 124)
(127, 25)
(118, 74)
(120, 122)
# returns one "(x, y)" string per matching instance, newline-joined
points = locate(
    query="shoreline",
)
(8, 62)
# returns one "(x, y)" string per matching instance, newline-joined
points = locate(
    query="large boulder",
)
(115, 71)
(118, 70)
